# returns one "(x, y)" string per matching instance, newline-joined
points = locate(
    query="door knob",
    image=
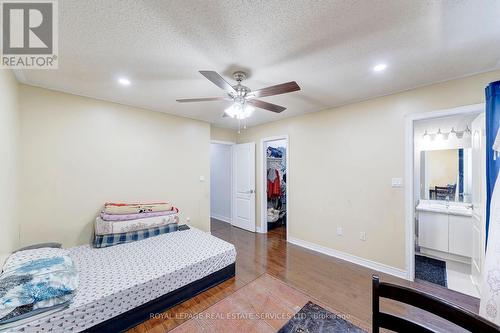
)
(251, 191)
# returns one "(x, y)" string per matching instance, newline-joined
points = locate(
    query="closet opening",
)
(274, 218)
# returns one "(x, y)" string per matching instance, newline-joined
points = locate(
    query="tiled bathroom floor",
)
(459, 278)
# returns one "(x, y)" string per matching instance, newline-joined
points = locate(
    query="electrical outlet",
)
(362, 236)
(188, 219)
(339, 231)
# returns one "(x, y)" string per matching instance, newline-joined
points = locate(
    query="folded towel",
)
(127, 217)
(116, 227)
(121, 208)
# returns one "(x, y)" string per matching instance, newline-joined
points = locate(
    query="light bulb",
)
(453, 133)
(467, 131)
(439, 135)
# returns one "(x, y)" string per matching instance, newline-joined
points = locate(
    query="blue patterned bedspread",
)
(36, 284)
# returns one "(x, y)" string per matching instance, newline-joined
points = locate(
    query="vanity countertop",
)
(444, 208)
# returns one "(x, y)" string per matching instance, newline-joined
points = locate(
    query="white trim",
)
(263, 180)
(409, 155)
(226, 219)
(220, 142)
(219, 217)
(350, 258)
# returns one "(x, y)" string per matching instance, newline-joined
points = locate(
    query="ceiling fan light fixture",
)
(239, 111)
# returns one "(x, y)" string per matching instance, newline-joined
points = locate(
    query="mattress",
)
(116, 279)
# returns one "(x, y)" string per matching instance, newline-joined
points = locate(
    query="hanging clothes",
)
(274, 152)
(273, 184)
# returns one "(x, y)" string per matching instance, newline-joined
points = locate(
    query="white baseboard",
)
(260, 230)
(221, 218)
(351, 258)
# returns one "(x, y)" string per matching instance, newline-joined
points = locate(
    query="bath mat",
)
(431, 270)
(312, 318)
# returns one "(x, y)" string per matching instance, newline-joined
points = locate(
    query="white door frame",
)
(231, 144)
(409, 163)
(263, 182)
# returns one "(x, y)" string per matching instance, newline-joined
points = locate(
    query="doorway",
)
(275, 189)
(221, 160)
(232, 184)
(445, 197)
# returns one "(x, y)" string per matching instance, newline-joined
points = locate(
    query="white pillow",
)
(18, 258)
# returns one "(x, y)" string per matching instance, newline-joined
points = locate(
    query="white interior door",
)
(478, 169)
(244, 186)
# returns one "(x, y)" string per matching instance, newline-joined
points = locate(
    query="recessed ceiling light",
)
(124, 81)
(380, 67)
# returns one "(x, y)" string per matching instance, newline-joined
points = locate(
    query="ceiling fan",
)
(243, 98)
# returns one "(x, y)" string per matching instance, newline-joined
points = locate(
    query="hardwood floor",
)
(341, 285)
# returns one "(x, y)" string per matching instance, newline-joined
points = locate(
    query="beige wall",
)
(442, 167)
(9, 147)
(223, 134)
(78, 153)
(341, 164)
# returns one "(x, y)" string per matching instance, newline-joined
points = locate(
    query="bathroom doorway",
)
(446, 197)
(275, 180)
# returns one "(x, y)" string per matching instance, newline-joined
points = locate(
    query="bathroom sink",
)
(443, 207)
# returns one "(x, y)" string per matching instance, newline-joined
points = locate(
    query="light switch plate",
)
(339, 231)
(202, 178)
(397, 182)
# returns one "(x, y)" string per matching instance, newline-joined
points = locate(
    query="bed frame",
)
(142, 313)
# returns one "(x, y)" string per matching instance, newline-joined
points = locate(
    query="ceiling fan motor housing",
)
(241, 90)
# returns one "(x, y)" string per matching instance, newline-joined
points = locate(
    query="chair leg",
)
(375, 304)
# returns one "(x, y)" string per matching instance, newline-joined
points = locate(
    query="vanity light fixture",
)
(441, 135)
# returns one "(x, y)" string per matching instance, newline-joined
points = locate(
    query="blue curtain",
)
(492, 125)
(460, 175)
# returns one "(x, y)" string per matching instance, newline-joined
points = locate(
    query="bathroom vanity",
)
(445, 229)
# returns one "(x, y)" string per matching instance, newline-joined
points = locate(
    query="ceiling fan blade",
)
(218, 81)
(208, 99)
(266, 106)
(275, 90)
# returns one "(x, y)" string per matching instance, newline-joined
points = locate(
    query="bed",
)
(121, 286)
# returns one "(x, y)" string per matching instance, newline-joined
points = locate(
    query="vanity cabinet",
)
(445, 233)
(460, 231)
(433, 231)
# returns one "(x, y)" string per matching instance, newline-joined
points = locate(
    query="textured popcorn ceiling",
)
(328, 47)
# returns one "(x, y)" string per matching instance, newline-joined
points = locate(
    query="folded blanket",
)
(127, 237)
(30, 284)
(121, 208)
(127, 217)
(116, 227)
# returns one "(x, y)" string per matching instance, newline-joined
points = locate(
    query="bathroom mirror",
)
(446, 175)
